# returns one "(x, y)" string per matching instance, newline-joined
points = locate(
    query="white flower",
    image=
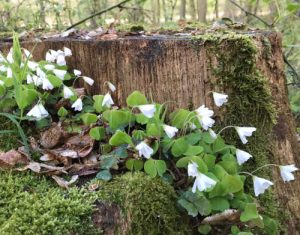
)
(77, 105)
(9, 57)
(1, 58)
(220, 99)
(27, 53)
(286, 172)
(40, 73)
(47, 85)
(49, 67)
(9, 73)
(29, 79)
(37, 80)
(244, 132)
(38, 112)
(111, 86)
(193, 169)
(212, 133)
(204, 116)
(147, 109)
(88, 80)
(32, 65)
(60, 58)
(107, 101)
(60, 73)
(170, 130)
(67, 51)
(77, 73)
(144, 150)
(51, 56)
(203, 182)
(67, 92)
(1, 83)
(242, 156)
(260, 185)
(3, 68)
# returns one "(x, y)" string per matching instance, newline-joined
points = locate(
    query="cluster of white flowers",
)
(38, 76)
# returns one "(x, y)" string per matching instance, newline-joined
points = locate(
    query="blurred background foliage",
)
(57, 15)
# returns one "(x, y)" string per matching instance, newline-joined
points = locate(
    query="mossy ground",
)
(250, 104)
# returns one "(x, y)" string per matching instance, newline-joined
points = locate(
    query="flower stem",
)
(246, 173)
(259, 168)
(226, 127)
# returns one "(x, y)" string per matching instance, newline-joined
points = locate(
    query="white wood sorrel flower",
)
(212, 133)
(88, 80)
(38, 112)
(60, 73)
(111, 86)
(244, 132)
(60, 58)
(202, 182)
(107, 101)
(170, 131)
(67, 92)
(204, 116)
(47, 85)
(260, 185)
(220, 99)
(147, 109)
(286, 172)
(77, 72)
(67, 51)
(242, 156)
(144, 150)
(77, 105)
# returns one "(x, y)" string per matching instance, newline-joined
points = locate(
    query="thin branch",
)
(293, 70)
(251, 14)
(119, 5)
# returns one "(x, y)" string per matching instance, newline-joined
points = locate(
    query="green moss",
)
(150, 204)
(250, 102)
(34, 205)
(8, 141)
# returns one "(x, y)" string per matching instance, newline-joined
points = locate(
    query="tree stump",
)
(248, 66)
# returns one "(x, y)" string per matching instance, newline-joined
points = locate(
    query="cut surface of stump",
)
(183, 70)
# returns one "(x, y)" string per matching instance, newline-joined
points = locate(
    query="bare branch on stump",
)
(119, 5)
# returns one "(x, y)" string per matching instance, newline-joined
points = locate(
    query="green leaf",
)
(219, 171)
(180, 117)
(98, 99)
(141, 118)
(245, 233)
(179, 147)
(193, 138)
(249, 213)
(120, 152)
(193, 150)
(89, 118)
(219, 204)
(138, 135)
(134, 164)
(195, 203)
(153, 130)
(97, 133)
(108, 162)
(233, 184)
(120, 138)
(154, 167)
(55, 81)
(62, 112)
(118, 119)
(207, 138)
(230, 166)
(104, 175)
(204, 229)
(136, 98)
(209, 161)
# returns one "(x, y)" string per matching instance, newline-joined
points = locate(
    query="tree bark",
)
(174, 69)
(182, 9)
(192, 9)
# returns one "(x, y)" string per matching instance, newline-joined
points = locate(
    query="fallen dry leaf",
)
(64, 183)
(52, 136)
(12, 158)
(81, 144)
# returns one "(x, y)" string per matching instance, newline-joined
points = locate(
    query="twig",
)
(251, 14)
(295, 74)
(119, 5)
